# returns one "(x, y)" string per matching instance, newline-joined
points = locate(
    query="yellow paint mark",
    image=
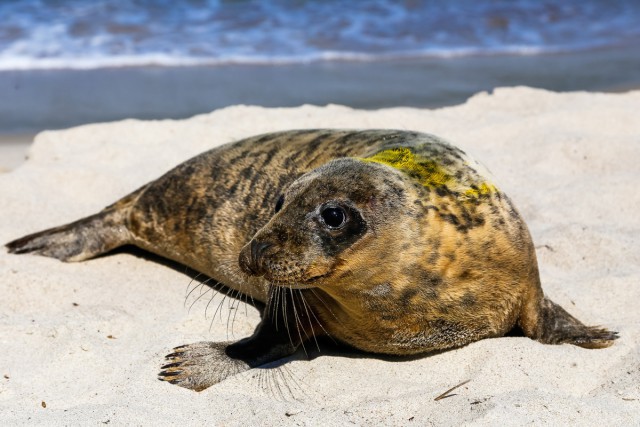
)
(483, 189)
(426, 171)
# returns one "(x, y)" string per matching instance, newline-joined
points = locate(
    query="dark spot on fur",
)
(134, 224)
(388, 316)
(465, 275)
(406, 296)
(429, 293)
(424, 277)
(431, 279)
(280, 233)
(451, 218)
(443, 191)
(434, 244)
(468, 300)
(376, 304)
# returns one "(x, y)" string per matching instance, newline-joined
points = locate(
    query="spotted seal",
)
(392, 242)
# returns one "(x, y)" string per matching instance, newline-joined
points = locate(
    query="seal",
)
(392, 242)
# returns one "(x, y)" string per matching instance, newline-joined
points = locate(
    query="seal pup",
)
(392, 242)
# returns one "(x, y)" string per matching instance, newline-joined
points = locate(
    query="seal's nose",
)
(251, 257)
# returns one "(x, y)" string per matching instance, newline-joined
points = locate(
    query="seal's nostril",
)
(257, 251)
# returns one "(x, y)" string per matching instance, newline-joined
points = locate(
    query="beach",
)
(83, 342)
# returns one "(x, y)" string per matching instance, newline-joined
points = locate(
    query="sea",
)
(88, 34)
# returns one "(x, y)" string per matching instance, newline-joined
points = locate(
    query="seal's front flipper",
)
(201, 365)
(79, 240)
(551, 324)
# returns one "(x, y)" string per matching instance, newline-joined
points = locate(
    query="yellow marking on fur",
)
(428, 172)
(483, 189)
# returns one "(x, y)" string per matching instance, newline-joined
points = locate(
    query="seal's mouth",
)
(295, 283)
(266, 260)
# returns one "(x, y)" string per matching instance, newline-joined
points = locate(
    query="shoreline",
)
(31, 101)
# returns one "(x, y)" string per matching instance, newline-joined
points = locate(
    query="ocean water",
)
(78, 34)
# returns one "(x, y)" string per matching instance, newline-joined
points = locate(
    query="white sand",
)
(13, 150)
(569, 161)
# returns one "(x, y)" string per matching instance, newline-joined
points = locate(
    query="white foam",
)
(86, 63)
(80, 34)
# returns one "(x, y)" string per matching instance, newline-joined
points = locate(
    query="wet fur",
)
(434, 256)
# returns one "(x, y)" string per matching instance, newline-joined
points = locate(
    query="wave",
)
(84, 34)
(151, 60)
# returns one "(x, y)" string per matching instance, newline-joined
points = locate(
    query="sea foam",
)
(37, 34)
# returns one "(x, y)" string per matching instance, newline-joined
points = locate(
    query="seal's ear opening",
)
(279, 203)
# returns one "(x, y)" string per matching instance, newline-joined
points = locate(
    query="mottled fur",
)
(430, 255)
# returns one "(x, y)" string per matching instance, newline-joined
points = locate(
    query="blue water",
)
(105, 33)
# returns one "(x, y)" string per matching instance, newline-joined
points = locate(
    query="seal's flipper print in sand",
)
(393, 242)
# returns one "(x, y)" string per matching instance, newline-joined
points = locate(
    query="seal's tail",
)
(551, 324)
(79, 240)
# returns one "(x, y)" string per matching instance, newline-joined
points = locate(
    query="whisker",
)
(191, 281)
(217, 309)
(274, 311)
(198, 298)
(206, 309)
(284, 314)
(298, 320)
(306, 308)
(233, 299)
(235, 312)
(295, 380)
(186, 298)
(330, 311)
(243, 295)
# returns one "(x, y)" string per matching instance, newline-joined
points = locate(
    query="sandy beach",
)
(83, 343)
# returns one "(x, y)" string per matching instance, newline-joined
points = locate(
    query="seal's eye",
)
(279, 203)
(334, 217)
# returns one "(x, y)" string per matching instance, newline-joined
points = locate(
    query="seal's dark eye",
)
(334, 217)
(279, 203)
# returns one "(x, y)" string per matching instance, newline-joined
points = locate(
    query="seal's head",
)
(332, 221)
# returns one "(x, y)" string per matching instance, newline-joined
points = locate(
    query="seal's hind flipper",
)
(77, 241)
(553, 325)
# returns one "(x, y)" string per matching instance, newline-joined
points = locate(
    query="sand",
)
(86, 340)
(13, 150)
